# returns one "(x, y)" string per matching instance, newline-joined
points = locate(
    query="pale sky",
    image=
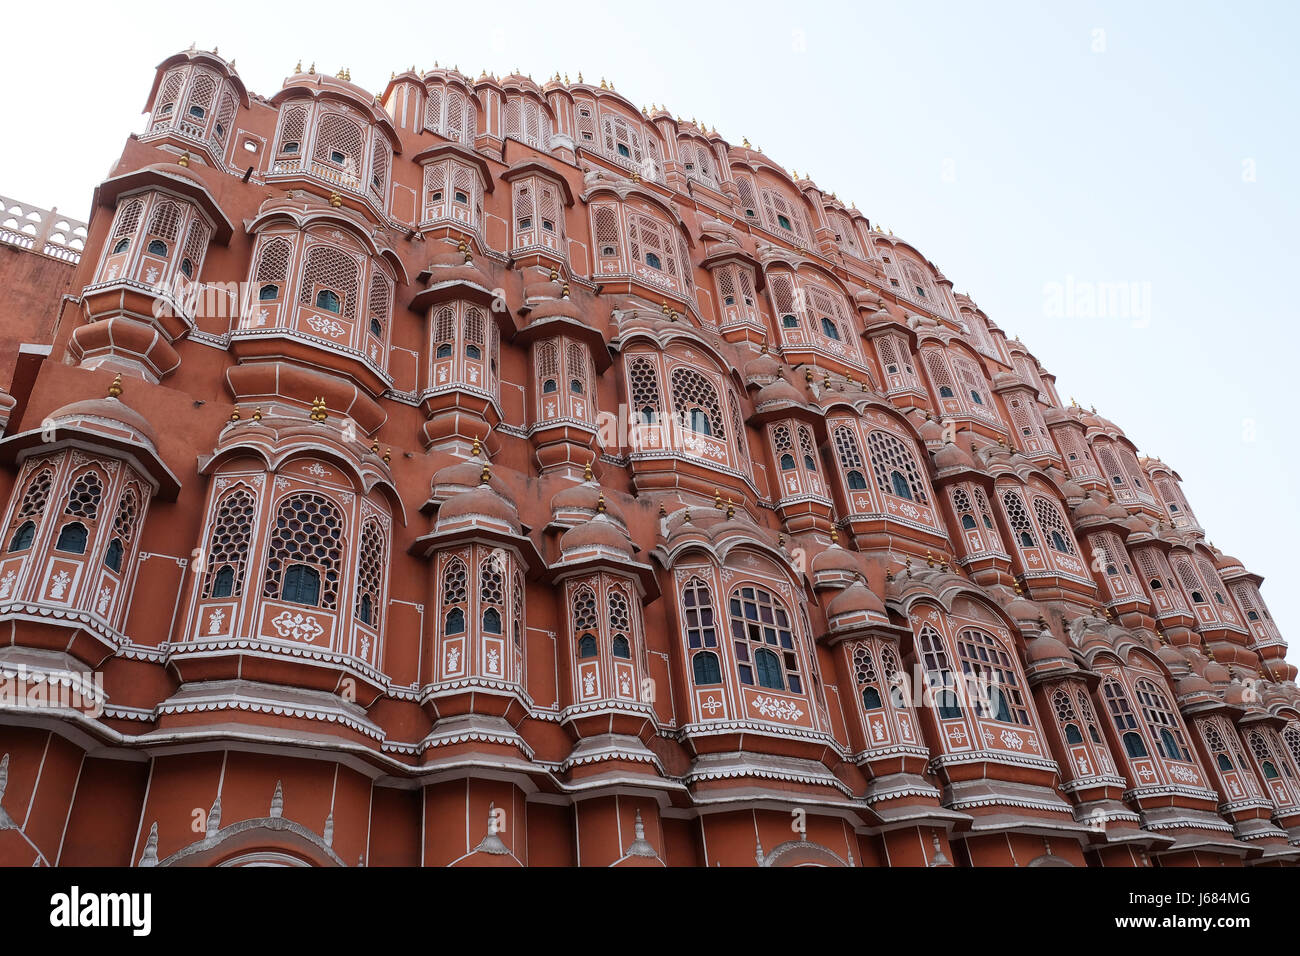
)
(1026, 148)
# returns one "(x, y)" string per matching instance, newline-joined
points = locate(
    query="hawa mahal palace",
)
(498, 473)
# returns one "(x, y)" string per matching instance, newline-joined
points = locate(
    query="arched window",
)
(985, 663)
(157, 247)
(768, 668)
(704, 667)
(1225, 763)
(829, 329)
(301, 585)
(455, 596)
(695, 400)
(856, 481)
(968, 522)
(1161, 721)
(653, 261)
(122, 246)
(228, 541)
(223, 584)
(113, 555)
(697, 606)
(621, 648)
(491, 593)
(307, 534)
(22, 539)
(586, 647)
(72, 538)
(370, 570)
(871, 698)
(1053, 524)
(1018, 517)
(763, 638)
(328, 300)
(1121, 712)
(945, 391)
(1134, 746)
(1072, 734)
(938, 673)
(900, 485)
(895, 467)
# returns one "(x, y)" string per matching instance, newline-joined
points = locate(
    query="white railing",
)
(41, 230)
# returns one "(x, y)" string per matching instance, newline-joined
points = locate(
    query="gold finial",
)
(600, 503)
(731, 509)
(717, 499)
(687, 519)
(298, 68)
(476, 448)
(929, 560)
(486, 474)
(807, 373)
(1015, 584)
(388, 455)
(318, 411)
(555, 274)
(374, 447)
(579, 76)
(835, 536)
(234, 416)
(780, 541)
(586, 472)
(336, 200)
(566, 78)
(826, 379)
(602, 84)
(184, 160)
(115, 389)
(257, 414)
(564, 292)
(663, 512)
(745, 140)
(889, 576)
(311, 71)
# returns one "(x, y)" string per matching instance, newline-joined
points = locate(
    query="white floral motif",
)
(1185, 774)
(327, 326)
(105, 595)
(298, 626)
(319, 471)
(1012, 739)
(588, 684)
(494, 661)
(453, 659)
(60, 584)
(775, 707)
(7, 583)
(215, 620)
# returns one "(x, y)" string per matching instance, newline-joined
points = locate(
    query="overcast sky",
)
(1037, 153)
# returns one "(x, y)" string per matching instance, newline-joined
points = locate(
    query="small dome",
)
(1046, 648)
(451, 266)
(1171, 657)
(585, 499)
(108, 415)
(951, 456)
(1216, 673)
(1090, 507)
(554, 309)
(835, 565)
(931, 431)
(856, 599)
(1136, 525)
(598, 534)
(462, 476)
(762, 369)
(1192, 683)
(482, 503)
(777, 391)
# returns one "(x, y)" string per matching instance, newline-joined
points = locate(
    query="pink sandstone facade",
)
(497, 473)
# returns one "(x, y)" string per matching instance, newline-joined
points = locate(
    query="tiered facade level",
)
(495, 473)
